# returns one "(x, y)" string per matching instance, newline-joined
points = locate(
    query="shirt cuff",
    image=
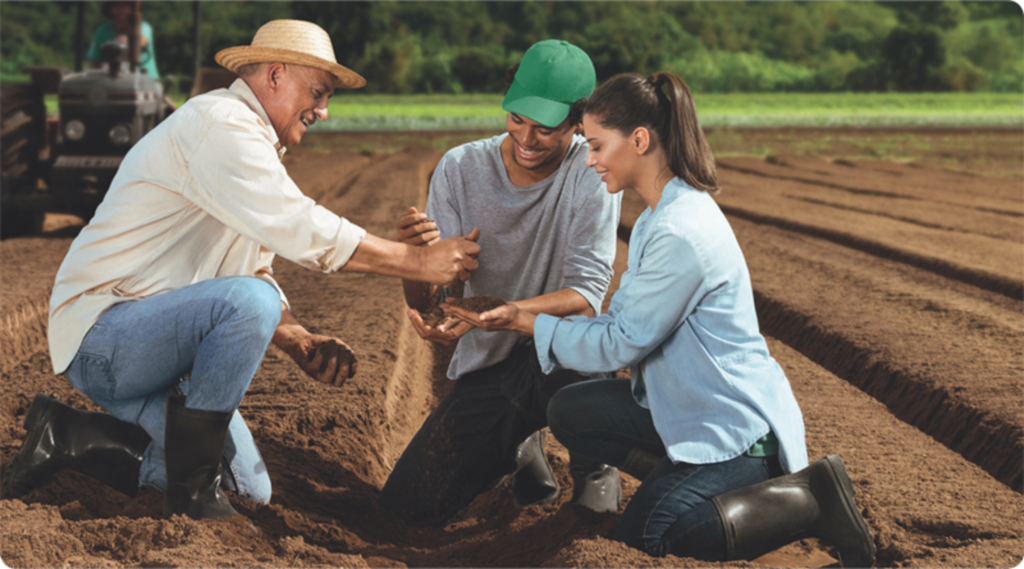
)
(543, 335)
(349, 237)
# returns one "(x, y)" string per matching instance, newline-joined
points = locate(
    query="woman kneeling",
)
(707, 419)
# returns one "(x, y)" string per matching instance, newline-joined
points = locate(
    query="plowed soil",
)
(890, 291)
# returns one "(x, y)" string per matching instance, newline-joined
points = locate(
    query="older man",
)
(173, 277)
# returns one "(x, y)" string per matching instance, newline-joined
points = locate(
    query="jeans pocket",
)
(91, 375)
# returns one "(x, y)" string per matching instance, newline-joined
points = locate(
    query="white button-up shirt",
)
(203, 195)
(684, 317)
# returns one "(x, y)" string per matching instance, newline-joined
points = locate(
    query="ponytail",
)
(662, 104)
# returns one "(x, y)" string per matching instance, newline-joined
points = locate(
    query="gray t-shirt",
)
(558, 233)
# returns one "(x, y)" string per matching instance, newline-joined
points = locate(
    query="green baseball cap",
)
(552, 76)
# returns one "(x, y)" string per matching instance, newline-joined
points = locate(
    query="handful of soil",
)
(332, 349)
(478, 304)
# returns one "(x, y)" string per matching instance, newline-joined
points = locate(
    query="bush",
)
(726, 72)
(480, 70)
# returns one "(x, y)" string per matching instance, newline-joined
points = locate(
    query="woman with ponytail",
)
(707, 419)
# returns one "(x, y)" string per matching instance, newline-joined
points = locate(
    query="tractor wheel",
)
(22, 139)
(20, 223)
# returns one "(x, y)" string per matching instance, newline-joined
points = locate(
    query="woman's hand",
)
(505, 317)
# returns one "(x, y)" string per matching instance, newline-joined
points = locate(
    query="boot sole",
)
(38, 413)
(864, 555)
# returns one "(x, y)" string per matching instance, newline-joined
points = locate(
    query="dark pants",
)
(468, 443)
(671, 512)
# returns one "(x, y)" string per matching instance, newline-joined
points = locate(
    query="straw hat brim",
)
(233, 58)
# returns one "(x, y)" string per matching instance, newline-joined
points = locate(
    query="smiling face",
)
(297, 98)
(535, 149)
(613, 156)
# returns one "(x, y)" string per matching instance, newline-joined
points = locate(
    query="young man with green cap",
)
(547, 242)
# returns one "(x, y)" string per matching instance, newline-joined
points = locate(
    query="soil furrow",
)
(904, 479)
(924, 181)
(920, 192)
(974, 433)
(1000, 283)
(905, 219)
(816, 182)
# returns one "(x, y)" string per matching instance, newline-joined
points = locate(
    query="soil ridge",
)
(1013, 288)
(975, 434)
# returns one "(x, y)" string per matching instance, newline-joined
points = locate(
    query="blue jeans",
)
(671, 512)
(137, 353)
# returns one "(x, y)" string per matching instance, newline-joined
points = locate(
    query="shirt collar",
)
(242, 89)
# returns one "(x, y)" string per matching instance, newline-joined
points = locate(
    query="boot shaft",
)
(194, 450)
(817, 501)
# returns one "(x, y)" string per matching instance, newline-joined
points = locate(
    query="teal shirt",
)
(147, 58)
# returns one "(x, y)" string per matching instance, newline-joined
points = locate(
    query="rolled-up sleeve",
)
(666, 288)
(237, 177)
(588, 261)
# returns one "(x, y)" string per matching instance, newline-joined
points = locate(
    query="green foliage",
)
(454, 47)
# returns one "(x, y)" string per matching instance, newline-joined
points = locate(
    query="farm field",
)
(888, 270)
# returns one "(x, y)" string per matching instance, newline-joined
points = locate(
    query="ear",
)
(640, 140)
(273, 75)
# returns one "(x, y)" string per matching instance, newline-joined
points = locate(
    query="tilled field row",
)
(964, 227)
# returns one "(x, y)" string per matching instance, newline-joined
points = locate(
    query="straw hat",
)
(291, 41)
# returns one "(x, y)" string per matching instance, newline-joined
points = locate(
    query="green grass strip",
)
(350, 111)
(367, 112)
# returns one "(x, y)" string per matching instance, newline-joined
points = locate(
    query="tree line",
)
(455, 47)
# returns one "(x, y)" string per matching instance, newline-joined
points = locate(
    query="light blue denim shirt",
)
(684, 316)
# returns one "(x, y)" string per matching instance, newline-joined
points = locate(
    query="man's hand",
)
(505, 317)
(445, 333)
(450, 260)
(415, 229)
(325, 359)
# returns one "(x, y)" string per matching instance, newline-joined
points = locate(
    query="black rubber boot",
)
(193, 449)
(534, 482)
(98, 445)
(595, 486)
(814, 502)
(639, 463)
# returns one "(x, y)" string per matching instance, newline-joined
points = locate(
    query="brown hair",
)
(575, 116)
(661, 103)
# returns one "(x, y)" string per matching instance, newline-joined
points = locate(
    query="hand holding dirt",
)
(441, 329)
(499, 314)
(326, 359)
(450, 260)
(415, 229)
